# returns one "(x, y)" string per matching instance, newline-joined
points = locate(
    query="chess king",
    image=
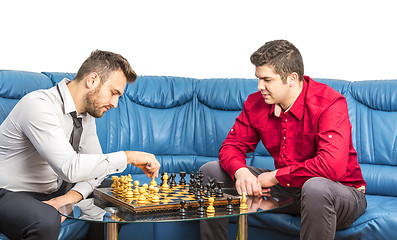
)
(305, 127)
(51, 135)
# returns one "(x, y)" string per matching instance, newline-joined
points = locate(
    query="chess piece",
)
(219, 191)
(114, 184)
(151, 193)
(243, 204)
(162, 178)
(142, 198)
(200, 209)
(229, 206)
(129, 194)
(155, 198)
(165, 187)
(182, 211)
(136, 190)
(210, 208)
(121, 186)
(208, 192)
(173, 182)
(182, 181)
(146, 187)
(153, 182)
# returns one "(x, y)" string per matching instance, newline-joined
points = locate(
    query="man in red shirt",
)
(305, 127)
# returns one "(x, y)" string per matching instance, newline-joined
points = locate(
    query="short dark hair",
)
(104, 63)
(282, 56)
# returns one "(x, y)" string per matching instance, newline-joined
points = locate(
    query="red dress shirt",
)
(312, 139)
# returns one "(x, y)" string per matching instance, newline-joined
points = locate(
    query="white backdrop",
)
(343, 39)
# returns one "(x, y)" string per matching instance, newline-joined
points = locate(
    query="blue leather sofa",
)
(184, 121)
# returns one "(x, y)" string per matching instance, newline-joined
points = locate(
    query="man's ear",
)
(293, 79)
(92, 80)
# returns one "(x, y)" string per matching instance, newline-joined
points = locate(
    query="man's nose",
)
(114, 101)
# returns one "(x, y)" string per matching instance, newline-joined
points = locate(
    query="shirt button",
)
(330, 136)
(284, 137)
(288, 184)
(285, 120)
(96, 178)
(232, 130)
(117, 170)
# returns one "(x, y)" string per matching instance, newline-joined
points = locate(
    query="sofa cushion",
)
(380, 217)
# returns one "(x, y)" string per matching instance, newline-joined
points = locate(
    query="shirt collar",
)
(297, 107)
(68, 103)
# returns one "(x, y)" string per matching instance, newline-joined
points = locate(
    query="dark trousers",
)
(23, 215)
(324, 205)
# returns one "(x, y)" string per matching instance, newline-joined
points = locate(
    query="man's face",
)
(273, 89)
(105, 95)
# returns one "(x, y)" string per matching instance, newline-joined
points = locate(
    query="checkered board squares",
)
(169, 201)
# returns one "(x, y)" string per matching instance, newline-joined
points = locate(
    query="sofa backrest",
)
(184, 120)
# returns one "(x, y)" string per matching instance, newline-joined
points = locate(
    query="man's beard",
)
(91, 104)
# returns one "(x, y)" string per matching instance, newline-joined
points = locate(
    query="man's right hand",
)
(145, 161)
(247, 182)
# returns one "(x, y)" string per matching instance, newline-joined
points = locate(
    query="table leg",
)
(111, 231)
(243, 227)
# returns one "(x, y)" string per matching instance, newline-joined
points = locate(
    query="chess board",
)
(169, 201)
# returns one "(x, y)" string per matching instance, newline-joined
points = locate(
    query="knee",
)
(46, 227)
(210, 167)
(317, 190)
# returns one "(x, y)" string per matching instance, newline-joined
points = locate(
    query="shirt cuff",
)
(283, 176)
(84, 188)
(117, 162)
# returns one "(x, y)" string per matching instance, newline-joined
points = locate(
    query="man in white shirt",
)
(41, 148)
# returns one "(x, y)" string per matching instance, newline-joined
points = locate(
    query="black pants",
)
(324, 205)
(23, 215)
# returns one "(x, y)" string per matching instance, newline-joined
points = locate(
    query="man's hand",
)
(70, 197)
(247, 182)
(145, 161)
(268, 179)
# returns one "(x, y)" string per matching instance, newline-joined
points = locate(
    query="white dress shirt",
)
(35, 153)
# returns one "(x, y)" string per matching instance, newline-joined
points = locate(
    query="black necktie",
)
(76, 132)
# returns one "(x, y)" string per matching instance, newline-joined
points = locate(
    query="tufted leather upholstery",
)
(183, 121)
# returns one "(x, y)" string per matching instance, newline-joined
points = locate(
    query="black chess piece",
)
(229, 206)
(198, 194)
(173, 182)
(182, 181)
(182, 210)
(192, 185)
(208, 192)
(200, 209)
(219, 192)
(162, 179)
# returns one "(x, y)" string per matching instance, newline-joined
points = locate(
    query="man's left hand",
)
(268, 179)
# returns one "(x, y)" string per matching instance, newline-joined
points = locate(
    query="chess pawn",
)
(155, 198)
(129, 194)
(141, 199)
(229, 206)
(182, 210)
(210, 208)
(243, 204)
(165, 186)
(136, 190)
